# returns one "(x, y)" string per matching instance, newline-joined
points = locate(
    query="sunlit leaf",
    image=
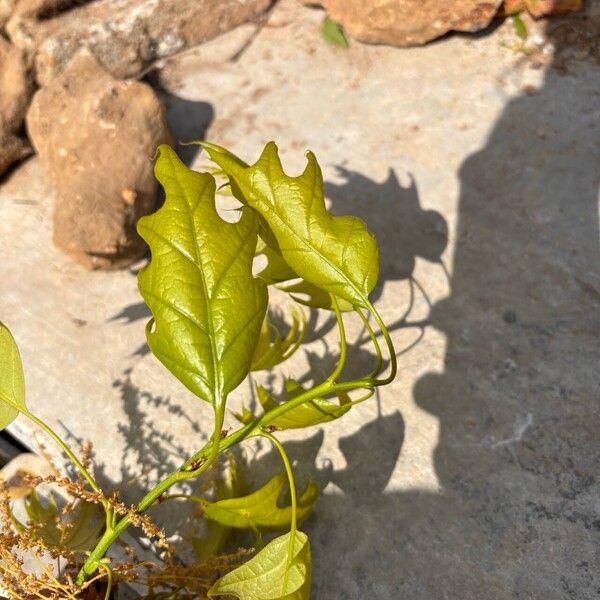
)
(273, 574)
(333, 33)
(309, 413)
(260, 509)
(276, 270)
(272, 349)
(12, 382)
(207, 307)
(337, 254)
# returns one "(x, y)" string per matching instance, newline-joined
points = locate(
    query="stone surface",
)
(96, 137)
(409, 22)
(475, 475)
(126, 36)
(21, 17)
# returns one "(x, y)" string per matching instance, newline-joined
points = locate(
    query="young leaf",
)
(12, 381)
(337, 254)
(207, 307)
(273, 574)
(307, 414)
(272, 349)
(333, 33)
(260, 509)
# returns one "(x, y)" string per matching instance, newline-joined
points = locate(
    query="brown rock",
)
(541, 8)
(6, 9)
(12, 149)
(127, 36)
(16, 87)
(96, 137)
(409, 22)
(20, 16)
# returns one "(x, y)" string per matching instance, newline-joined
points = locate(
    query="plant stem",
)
(342, 360)
(390, 346)
(294, 502)
(186, 472)
(76, 462)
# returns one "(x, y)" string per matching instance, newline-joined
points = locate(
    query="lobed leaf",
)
(260, 509)
(12, 380)
(274, 573)
(207, 307)
(337, 254)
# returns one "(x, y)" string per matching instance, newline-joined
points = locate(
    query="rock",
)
(21, 16)
(126, 36)
(6, 9)
(540, 8)
(96, 137)
(16, 87)
(409, 22)
(12, 149)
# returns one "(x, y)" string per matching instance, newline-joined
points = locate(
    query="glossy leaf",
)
(309, 413)
(273, 574)
(272, 349)
(207, 307)
(276, 270)
(337, 254)
(12, 381)
(260, 509)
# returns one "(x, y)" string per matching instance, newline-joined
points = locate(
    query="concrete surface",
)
(473, 476)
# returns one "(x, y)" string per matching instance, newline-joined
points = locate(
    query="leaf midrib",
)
(213, 349)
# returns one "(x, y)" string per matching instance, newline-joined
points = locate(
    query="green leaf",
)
(274, 573)
(310, 413)
(337, 254)
(77, 531)
(272, 349)
(520, 27)
(207, 307)
(260, 509)
(12, 381)
(333, 33)
(276, 269)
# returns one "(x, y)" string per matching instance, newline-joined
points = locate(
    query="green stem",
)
(200, 458)
(390, 346)
(375, 341)
(290, 476)
(294, 502)
(342, 360)
(76, 462)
